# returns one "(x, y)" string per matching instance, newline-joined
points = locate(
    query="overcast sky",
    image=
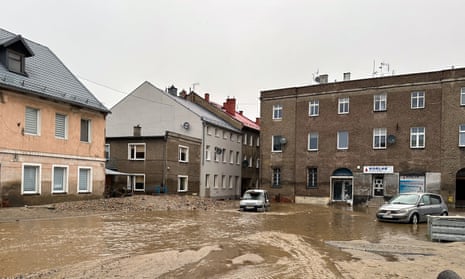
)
(239, 48)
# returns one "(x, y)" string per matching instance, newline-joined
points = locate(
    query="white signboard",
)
(378, 169)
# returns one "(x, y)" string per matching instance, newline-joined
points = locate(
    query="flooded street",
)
(287, 242)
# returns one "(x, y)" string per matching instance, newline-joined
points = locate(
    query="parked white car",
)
(255, 199)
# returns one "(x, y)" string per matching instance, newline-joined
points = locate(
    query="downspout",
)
(295, 143)
(165, 171)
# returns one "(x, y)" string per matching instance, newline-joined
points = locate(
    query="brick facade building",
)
(355, 140)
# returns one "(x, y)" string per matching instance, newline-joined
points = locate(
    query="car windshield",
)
(405, 199)
(252, 196)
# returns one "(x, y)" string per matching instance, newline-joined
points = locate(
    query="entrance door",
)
(378, 185)
(342, 189)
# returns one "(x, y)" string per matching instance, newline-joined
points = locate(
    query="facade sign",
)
(378, 169)
(411, 183)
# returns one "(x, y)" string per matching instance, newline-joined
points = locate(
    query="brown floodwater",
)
(278, 243)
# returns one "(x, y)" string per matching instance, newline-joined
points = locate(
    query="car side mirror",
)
(421, 204)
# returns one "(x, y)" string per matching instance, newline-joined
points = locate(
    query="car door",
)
(424, 206)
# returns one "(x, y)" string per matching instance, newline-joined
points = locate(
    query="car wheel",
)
(444, 213)
(414, 219)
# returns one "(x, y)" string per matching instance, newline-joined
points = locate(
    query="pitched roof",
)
(46, 76)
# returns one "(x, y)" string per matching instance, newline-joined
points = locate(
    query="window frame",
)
(107, 151)
(28, 130)
(185, 179)
(132, 181)
(273, 145)
(417, 100)
(231, 156)
(462, 135)
(314, 108)
(207, 181)
(309, 146)
(89, 130)
(276, 178)
(312, 177)
(38, 179)
(379, 135)
(19, 61)
(417, 137)
(380, 102)
(89, 180)
(339, 134)
(64, 124)
(277, 112)
(135, 158)
(182, 149)
(343, 105)
(462, 96)
(65, 179)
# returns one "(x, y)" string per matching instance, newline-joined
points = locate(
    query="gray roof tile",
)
(47, 77)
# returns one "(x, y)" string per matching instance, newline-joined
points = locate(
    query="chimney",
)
(207, 97)
(137, 131)
(173, 90)
(347, 76)
(257, 120)
(241, 112)
(230, 106)
(323, 79)
(183, 94)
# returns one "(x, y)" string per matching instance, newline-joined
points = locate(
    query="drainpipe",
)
(165, 171)
(295, 144)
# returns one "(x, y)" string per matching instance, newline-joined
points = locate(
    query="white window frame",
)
(230, 182)
(257, 163)
(217, 132)
(314, 108)
(251, 140)
(207, 180)
(182, 178)
(278, 138)
(183, 150)
(207, 153)
(32, 119)
(312, 177)
(258, 141)
(215, 181)
(65, 126)
(134, 157)
(132, 181)
(225, 134)
(379, 137)
(462, 96)
(339, 143)
(343, 105)
(38, 178)
(380, 102)
(223, 181)
(277, 112)
(223, 155)
(231, 157)
(65, 178)
(313, 135)
(417, 136)
(250, 161)
(245, 139)
(276, 177)
(462, 135)
(89, 130)
(89, 180)
(417, 100)
(238, 158)
(209, 131)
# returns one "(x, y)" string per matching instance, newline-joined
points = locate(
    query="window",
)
(61, 126)
(136, 151)
(342, 140)
(245, 139)
(223, 181)
(182, 183)
(257, 163)
(462, 96)
(239, 139)
(418, 99)
(32, 126)
(379, 138)
(60, 179)
(107, 152)
(238, 158)
(230, 182)
(314, 108)
(217, 132)
(84, 180)
(313, 141)
(223, 155)
(209, 130)
(250, 161)
(277, 112)
(31, 179)
(417, 137)
(136, 182)
(251, 140)
(276, 179)
(343, 105)
(215, 181)
(258, 141)
(231, 157)
(462, 135)
(312, 175)
(225, 134)
(15, 62)
(380, 102)
(207, 153)
(217, 154)
(85, 130)
(183, 154)
(277, 143)
(207, 181)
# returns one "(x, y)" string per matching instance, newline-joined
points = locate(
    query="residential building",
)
(356, 140)
(52, 141)
(183, 147)
(250, 160)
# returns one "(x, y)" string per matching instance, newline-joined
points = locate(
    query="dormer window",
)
(15, 62)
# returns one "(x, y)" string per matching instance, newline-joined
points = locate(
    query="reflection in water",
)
(280, 241)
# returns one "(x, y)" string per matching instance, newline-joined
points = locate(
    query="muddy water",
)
(286, 242)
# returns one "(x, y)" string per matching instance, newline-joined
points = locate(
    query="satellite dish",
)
(391, 139)
(186, 125)
(283, 140)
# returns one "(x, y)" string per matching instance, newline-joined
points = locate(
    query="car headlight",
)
(403, 211)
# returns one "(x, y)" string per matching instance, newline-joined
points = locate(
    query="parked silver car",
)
(255, 199)
(412, 208)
